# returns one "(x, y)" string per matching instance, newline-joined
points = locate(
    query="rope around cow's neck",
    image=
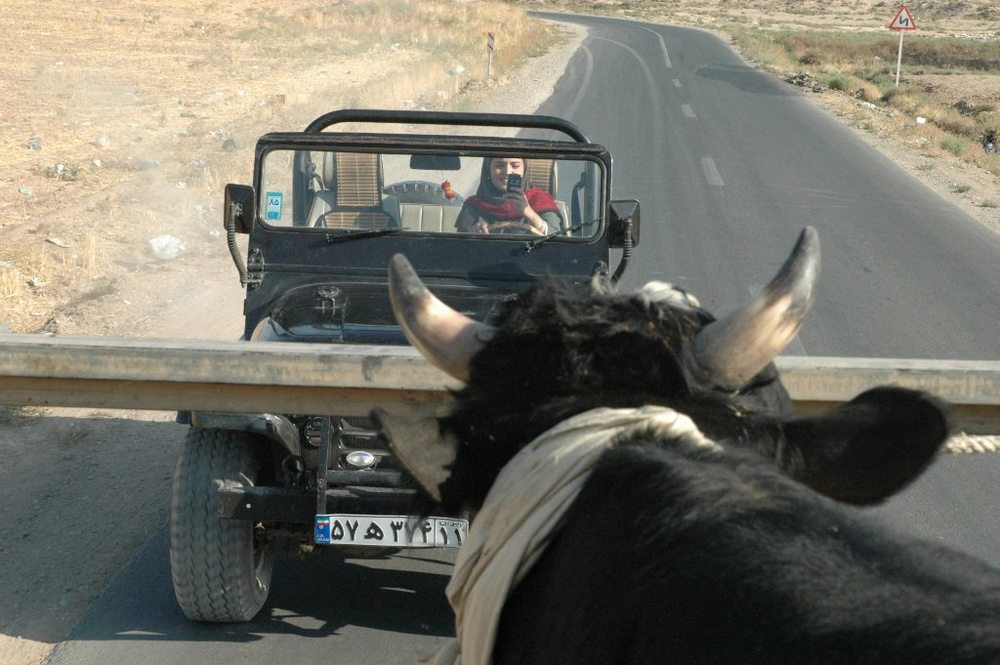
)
(964, 444)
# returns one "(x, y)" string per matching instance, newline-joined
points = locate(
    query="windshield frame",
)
(429, 144)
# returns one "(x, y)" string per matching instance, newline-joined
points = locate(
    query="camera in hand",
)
(514, 182)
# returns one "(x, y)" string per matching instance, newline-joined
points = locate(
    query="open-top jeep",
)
(327, 210)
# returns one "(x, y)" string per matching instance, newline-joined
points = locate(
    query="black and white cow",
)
(646, 496)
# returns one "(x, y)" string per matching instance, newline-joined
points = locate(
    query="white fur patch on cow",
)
(665, 292)
(524, 507)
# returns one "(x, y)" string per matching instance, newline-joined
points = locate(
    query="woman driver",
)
(497, 208)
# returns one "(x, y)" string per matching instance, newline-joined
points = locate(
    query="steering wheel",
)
(522, 227)
(422, 191)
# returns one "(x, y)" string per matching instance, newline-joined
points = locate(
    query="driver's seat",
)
(352, 194)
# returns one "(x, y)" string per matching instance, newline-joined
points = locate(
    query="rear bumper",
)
(276, 504)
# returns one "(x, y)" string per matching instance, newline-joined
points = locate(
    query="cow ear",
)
(868, 449)
(417, 442)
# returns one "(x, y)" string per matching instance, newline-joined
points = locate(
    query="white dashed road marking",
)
(663, 47)
(711, 173)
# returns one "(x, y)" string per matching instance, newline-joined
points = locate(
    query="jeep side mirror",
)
(239, 208)
(623, 223)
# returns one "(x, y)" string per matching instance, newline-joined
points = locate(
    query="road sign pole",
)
(899, 56)
(902, 21)
(490, 43)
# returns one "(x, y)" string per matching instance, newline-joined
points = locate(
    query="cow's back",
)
(688, 555)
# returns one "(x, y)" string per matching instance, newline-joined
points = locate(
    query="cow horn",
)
(448, 339)
(733, 350)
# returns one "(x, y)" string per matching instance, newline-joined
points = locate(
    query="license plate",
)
(390, 531)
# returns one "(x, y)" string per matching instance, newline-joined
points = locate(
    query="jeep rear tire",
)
(221, 568)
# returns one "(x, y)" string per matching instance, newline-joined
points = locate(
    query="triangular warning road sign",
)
(903, 20)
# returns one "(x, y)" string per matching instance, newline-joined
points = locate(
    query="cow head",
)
(555, 352)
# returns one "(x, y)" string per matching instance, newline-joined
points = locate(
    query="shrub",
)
(838, 82)
(956, 123)
(865, 90)
(906, 99)
(954, 145)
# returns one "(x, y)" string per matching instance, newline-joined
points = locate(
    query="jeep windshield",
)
(357, 192)
(481, 205)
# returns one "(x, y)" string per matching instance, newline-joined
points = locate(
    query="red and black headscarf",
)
(489, 203)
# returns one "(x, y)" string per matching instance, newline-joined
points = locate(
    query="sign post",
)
(489, 54)
(901, 22)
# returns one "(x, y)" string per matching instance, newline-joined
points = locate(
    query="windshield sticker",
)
(273, 206)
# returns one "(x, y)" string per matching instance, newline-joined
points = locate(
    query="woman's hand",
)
(533, 222)
(518, 199)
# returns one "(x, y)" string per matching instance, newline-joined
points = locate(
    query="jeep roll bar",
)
(443, 118)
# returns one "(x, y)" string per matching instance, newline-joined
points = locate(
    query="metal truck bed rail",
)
(347, 380)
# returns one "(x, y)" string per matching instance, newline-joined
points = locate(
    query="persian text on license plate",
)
(390, 531)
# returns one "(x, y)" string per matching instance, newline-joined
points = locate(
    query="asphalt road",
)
(323, 609)
(729, 164)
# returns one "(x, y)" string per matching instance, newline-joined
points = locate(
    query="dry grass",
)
(52, 264)
(961, 120)
(866, 51)
(129, 120)
(12, 282)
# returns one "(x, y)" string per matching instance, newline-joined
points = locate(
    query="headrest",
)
(541, 173)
